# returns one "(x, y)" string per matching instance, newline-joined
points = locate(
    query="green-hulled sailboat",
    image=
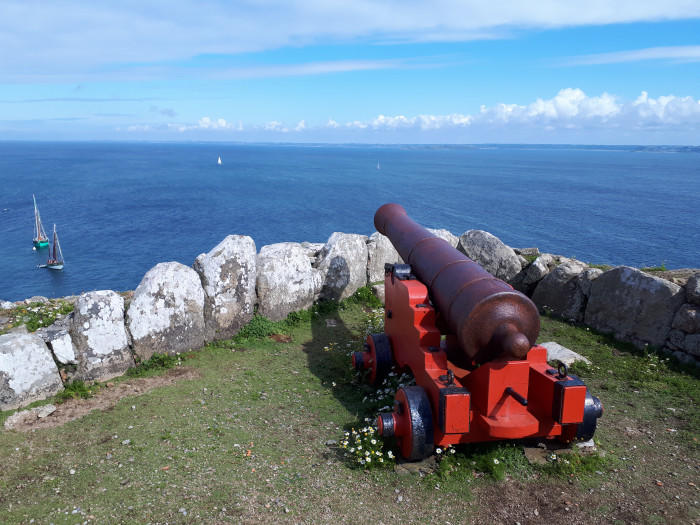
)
(55, 261)
(40, 238)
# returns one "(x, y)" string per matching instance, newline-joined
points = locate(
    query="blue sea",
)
(120, 208)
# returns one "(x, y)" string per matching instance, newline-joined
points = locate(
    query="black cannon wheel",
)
(414, 406)
(381, 358)
(592, 410)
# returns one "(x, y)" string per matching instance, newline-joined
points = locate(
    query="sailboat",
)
(378, 166)
(219, 161)
(40, 238)
(55, 260)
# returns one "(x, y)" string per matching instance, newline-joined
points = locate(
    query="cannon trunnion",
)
(469, 340)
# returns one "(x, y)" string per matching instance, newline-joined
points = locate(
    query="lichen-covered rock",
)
(343, 265)
(37, 299)
(687, 319)
(166, 314)
(379, 251)
(559, 293)
(27, 371)
(586, 278)
(445, 235)
(27, 417)
(692, 289)
(557, 352)
(539, 268)
(312, 249)
(632, 305)
(492, 254)
(228, 274)
(58, 339)
(61, 346)
(379, 292)
(527, 252)
(7, 305)
(99, 335)
(286, 280)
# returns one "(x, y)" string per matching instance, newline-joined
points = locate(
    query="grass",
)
(256, 439)
(37, 315)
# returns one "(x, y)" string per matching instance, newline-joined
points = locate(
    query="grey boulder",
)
(99, 336)
(445, 235)
(493, 255)
(692, 289)
(379, 251)
(633, 306)
(27, 371)
(687, 319)
(557, 352)
(559, 292)
(228, 274)
(286, 280)
(343, 265)
(166, 314)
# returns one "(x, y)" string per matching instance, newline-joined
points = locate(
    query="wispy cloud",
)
(75, 99)
(317, 68)
(675, 53)
(78, 39)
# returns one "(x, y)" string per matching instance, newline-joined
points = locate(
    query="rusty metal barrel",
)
(490, 319)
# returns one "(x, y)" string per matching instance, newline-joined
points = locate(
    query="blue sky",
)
(624, 72)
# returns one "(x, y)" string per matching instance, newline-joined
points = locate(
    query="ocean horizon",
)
(122, 207)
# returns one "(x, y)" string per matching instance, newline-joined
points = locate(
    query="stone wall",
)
(177, 308)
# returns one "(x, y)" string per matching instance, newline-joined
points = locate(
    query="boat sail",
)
(55, 260)
(40, 239)
(219, 161)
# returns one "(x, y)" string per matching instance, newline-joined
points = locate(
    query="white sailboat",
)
(219, 161)
(55, 260)
(40, 239)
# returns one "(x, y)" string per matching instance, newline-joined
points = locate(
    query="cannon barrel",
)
(490, 319)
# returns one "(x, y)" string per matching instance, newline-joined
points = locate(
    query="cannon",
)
(469, 340)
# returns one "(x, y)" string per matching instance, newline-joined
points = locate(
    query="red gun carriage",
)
(469, 340)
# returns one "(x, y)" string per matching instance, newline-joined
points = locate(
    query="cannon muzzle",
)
(490, 319)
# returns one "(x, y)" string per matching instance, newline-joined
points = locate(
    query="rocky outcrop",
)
(445, 235)
(692, 289)
(228, 274)
(27, 371)
(488, 250)
(286, 280)
(343, 265)
(557, 352)
(633, 306)
(565, 290)
(379, 251)
(166, 314)
(99, 336)
(560, 293)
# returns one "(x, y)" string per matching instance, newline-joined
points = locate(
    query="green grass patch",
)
(157, 363)
(38, 315)
(256, 437)
(76, 390)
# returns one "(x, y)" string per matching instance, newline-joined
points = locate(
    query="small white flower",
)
(390, 454)
(438, 450)
(495, 461)
(373, 441)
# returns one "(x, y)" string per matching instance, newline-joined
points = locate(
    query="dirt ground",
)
(104, 399)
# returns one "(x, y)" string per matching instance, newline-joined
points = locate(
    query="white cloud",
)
(679, 53)
(569, 109)
(275, 125)
(77, 37)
